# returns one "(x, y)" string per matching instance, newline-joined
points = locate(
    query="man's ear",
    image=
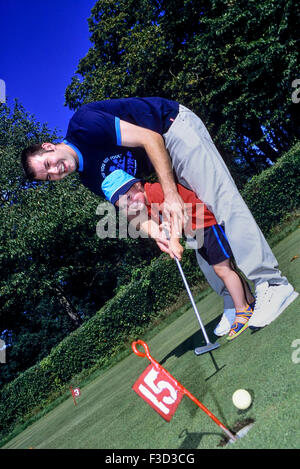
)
(48, 146)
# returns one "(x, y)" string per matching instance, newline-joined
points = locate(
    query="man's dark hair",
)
(27, 153)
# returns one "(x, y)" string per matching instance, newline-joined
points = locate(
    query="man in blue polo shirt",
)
(95, 130)
(142, 135)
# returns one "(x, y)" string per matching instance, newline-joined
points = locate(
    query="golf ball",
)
(241, 399)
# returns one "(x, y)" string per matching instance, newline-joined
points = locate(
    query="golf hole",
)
(238, 426)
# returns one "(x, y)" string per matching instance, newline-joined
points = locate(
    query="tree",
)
(231, 61)
(55, 272)
(242, 65)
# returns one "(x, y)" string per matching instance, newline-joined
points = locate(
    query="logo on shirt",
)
(124, 161)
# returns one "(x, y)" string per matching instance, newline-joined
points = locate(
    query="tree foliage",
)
(55, 272)
(231, 61)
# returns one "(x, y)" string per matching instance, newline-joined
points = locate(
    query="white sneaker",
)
(271, 301)
(226, 322)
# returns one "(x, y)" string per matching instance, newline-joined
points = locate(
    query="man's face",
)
(57, 163)
(134, 200)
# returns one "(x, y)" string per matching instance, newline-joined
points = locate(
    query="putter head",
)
(241, 433)
(206, 348)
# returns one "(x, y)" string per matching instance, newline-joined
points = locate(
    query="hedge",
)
(276, 191)
(270, 196)
(127, 314)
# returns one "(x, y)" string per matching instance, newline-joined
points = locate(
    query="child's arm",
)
(174, 240)
(159, 234)
(150, 228)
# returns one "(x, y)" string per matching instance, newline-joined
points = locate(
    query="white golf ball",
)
(241, 399)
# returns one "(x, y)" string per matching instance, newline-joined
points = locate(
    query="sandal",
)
(238, 327)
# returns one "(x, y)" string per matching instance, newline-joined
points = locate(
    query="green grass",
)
(110, 415)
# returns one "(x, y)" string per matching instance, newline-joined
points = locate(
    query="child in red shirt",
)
(133, 197)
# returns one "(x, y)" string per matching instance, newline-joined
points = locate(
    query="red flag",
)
(163, 392)
(76, 392)
(160, 390)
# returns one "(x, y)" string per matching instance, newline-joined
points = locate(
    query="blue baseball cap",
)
(117, 183)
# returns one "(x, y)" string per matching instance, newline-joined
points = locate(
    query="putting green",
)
(111, 415)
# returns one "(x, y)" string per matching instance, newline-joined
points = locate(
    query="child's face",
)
(134, 200)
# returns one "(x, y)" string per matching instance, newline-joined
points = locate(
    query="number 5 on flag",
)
(160, 390)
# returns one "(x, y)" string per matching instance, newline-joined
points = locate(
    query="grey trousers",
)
(199, 167)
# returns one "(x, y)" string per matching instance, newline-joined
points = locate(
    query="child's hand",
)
(175, 248)
(171, 246)
(163, 245)
(162, 240)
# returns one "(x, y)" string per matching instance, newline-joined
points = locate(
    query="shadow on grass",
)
(201, 383)
(193, 439)
(194, 341)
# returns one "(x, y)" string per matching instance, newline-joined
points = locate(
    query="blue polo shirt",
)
(94, 133)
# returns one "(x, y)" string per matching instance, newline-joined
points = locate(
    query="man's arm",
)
(153, 143)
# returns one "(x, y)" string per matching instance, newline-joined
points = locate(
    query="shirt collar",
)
(78, 153)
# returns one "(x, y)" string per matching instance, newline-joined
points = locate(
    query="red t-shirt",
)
(199, 215)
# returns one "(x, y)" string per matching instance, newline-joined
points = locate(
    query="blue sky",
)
(41, 43)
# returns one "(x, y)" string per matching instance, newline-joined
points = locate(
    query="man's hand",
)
(176, 250)
(173, 213)
(169, 245)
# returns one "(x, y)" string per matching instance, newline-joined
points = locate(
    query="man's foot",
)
(226, 322)
(271, 301)
(241, 322)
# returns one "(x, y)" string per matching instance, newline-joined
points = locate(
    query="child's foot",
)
(241, 322)
(226, 322)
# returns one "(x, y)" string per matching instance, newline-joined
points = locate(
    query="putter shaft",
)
(209, 346)
(192, 300)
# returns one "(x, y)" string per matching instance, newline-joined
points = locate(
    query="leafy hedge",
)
(276, 191)
(127, 314)
(269, 196)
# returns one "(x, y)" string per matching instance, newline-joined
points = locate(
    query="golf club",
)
(209, 345)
